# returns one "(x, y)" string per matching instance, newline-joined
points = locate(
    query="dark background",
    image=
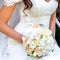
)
(57, 28)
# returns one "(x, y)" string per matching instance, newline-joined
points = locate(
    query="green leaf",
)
(41, 36)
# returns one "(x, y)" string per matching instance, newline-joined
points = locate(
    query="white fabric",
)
(40, 13)
(11, 2)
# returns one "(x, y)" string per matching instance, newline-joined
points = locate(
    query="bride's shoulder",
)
(11, 2)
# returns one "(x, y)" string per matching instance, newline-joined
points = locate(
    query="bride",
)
(31, 12)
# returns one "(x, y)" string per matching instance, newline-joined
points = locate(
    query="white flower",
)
(40, 39)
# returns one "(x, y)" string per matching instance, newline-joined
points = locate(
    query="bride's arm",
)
(5, 14)
(52, 22)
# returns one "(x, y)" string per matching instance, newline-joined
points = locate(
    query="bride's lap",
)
(17, 52)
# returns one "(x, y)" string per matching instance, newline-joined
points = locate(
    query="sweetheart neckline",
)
(47, 2)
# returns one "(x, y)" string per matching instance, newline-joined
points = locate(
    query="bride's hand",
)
(24, 39)
(36, 26)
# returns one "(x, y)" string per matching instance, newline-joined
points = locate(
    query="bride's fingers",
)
(25, 41)
(36, 26)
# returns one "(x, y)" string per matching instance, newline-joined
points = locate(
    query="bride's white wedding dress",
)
(40, 13)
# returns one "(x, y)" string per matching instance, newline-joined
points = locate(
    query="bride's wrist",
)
(23, 37)
(20, 39)
(51, 31)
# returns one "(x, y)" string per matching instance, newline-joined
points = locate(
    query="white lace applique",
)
(11, 2)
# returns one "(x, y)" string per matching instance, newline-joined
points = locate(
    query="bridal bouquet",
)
(39, 41)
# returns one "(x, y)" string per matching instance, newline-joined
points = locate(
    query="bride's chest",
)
(40, 7)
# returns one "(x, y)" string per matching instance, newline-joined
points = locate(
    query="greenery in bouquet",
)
(39, 42)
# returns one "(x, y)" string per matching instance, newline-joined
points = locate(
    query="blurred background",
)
(58, 24)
